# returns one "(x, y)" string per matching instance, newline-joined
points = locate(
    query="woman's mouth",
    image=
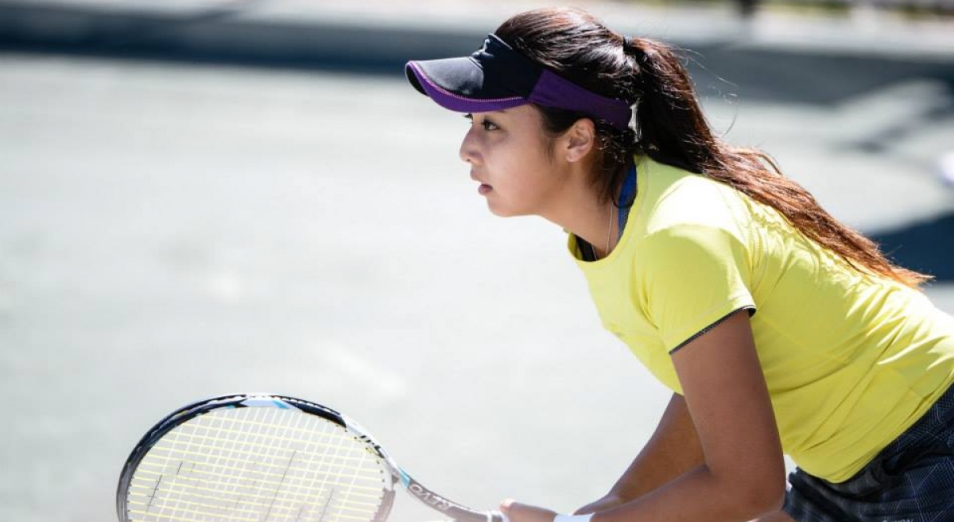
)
(484, 189)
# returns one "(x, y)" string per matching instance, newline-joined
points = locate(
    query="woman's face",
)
(507, 153)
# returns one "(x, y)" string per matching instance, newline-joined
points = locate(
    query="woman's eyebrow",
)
(470, 116)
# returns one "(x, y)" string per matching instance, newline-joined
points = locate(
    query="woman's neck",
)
(585, 215)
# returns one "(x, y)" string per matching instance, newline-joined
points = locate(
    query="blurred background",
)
(205, 196)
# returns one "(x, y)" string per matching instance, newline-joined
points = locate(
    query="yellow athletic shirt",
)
(851, 359)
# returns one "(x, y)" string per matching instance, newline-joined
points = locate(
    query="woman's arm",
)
(743, 473)
(672, 451)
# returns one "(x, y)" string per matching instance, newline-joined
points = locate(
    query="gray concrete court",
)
(169, 232)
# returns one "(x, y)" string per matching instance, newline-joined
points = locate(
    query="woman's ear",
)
(579, 140)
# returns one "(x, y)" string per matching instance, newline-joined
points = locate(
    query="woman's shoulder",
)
(677, 198)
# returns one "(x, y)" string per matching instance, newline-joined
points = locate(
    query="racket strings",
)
(258, 464)
(272, 504)
(237, 464)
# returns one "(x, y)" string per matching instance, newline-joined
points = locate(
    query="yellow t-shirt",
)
(851, 359)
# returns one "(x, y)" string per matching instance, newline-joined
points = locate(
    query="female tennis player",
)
(778, 329)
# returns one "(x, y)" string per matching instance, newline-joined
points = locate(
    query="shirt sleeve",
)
(692, 277)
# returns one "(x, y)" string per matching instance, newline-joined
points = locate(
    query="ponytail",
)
(673, 130)
(670, 126)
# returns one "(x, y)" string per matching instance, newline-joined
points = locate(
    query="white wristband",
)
(573, 518)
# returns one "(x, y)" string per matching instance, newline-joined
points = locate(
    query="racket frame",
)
(417, 490)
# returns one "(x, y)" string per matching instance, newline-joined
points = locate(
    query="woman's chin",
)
(499, 210)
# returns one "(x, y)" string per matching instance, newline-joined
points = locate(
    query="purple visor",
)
(498, 77)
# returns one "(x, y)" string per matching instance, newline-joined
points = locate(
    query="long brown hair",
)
(670, 126)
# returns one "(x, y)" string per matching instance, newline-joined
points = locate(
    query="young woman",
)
(777, 328)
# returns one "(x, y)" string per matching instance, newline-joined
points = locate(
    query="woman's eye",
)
(486, 124)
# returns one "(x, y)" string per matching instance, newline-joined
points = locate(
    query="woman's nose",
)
(468, 149)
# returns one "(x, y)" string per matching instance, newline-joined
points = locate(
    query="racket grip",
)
(497, 516)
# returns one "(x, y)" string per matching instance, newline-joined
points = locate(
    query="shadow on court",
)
(927, 247)
(237, 34)
(939, 112)
(808, 78)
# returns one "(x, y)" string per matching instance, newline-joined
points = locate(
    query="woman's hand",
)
(609, 501)
(518, 512)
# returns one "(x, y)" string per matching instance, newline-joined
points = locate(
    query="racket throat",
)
(430, 498)
(452, 509)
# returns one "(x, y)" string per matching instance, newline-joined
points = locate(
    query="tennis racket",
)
(266, 458)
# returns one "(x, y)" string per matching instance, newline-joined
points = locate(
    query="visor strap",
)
(554, 91)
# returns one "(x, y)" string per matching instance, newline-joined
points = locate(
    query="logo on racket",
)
(429, 498)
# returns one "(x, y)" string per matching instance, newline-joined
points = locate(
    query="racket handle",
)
(497, 516)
